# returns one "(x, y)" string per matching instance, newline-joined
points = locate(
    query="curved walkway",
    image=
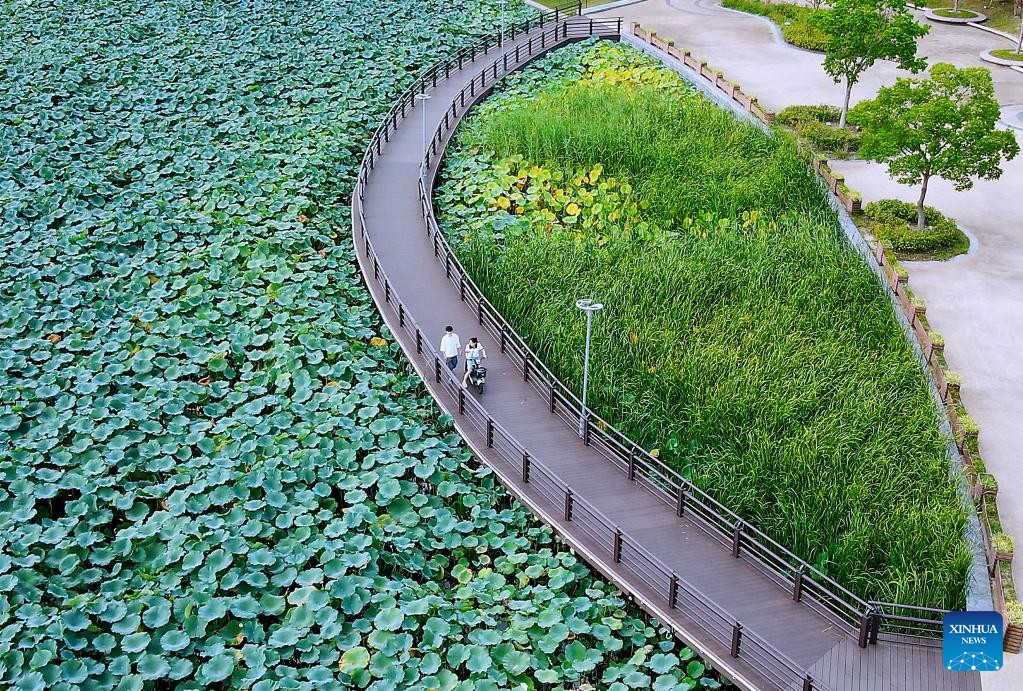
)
(732, 610)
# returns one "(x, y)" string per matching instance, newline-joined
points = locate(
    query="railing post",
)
(436, 368)
(807, 683)
(680, 501)
(568, 503)
(447, 266)
(864, 628)
(736, 539)
(525, 366)
(673, 590)
(797, 587)
(525, 467)
(875, 626)
(586, 429)
(490, 432)
(736, 638)
(616, 550)
(401, 315)
(419, 341)
(387, 292)
(632, 463)
(503, 337)
(461, 287)
(479, 310)
(552, 398)
(461, 401)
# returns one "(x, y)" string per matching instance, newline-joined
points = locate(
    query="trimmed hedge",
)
(894, 222)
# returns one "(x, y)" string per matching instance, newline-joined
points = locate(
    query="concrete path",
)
(974, 301)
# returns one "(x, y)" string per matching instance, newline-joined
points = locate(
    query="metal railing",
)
(863, 619)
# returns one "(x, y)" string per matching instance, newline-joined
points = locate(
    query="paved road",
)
(975, 301)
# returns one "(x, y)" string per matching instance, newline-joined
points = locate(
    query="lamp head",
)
(588, 305)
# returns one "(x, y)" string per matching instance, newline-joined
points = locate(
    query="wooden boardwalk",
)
(716, 593)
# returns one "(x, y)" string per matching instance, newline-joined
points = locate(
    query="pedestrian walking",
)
(449, 346)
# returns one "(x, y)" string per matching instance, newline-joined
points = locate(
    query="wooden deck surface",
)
(829, 651)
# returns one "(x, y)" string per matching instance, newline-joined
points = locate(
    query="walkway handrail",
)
(773, 559)
(777, 561)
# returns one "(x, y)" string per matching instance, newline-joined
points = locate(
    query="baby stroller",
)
(478, 377)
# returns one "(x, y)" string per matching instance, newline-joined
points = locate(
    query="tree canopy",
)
(861, 32)
(942, 127)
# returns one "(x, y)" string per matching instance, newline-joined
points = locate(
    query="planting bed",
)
(215, 470)
(796, 22)
(742, 340)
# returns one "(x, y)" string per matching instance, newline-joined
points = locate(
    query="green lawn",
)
(742, 338)
(999, 14)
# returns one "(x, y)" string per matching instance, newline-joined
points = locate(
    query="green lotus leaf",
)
(130, 682)
(389, 619)
(662, 663)
(173, 641)
(135, 642)
(245, 607)
(354, 659)
(284, 636)
(153, 667)
(217, 669)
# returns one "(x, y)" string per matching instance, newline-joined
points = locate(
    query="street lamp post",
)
(589, 307)
(423, 98)
(504, 3)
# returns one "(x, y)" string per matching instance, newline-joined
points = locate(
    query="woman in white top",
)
(474, 355)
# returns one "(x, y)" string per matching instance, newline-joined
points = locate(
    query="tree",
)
(941, 127)
(861, 32)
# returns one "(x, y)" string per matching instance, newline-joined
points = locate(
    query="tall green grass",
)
(741, 338)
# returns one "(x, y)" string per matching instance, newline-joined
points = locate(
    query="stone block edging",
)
(911, 314)
(986, 56)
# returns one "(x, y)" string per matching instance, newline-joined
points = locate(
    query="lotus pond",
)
(217, 471)
(743, 341)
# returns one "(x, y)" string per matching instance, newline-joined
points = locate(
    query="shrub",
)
(1014, 612)
(805, 35)
(794, 115)
(894, 222)
(796, 21)
(828, 139)
(816, 125)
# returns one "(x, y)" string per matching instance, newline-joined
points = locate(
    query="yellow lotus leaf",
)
(519, 209)
(502, 202)
(572, 209)
(656, 453)
(595, 173)
(377, 341)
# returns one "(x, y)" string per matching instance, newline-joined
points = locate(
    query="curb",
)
(976, 19)
(987, 56)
